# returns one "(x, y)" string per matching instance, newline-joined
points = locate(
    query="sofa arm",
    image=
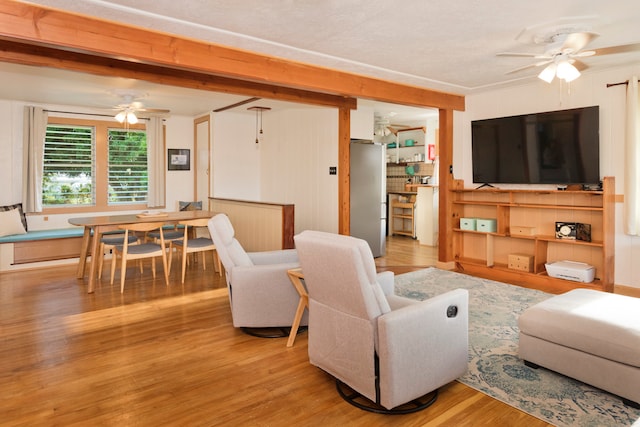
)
(385, 279)
(263, 295)
(274, 257)
(423, 346)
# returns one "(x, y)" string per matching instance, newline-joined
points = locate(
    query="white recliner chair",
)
(393, 351)
(260, 292)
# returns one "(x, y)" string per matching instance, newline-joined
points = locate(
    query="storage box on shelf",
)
(525, 222)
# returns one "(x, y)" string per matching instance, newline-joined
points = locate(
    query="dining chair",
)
(194, 244)
(108, 242)
(171, 232)
(151, 250)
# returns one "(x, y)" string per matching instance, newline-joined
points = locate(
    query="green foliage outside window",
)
(68, 166)
(128, 173)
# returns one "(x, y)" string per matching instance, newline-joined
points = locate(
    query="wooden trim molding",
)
(631, 291)
(445, 182)
(344, 165)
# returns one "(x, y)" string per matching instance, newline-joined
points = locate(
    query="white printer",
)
(571, 270)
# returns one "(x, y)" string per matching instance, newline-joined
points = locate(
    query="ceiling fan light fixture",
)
(548, 73)
(131, 118)
(567, 71)
(126, 116)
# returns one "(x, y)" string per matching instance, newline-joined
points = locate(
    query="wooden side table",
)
(296, 277)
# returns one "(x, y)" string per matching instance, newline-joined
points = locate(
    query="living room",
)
(261, 172)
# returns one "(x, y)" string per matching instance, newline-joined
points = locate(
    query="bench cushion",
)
(59, 233)
(603, 324)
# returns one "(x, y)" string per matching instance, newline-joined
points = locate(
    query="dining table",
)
(96, 226)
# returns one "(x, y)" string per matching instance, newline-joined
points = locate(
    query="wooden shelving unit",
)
(486, 254)
(403, 217)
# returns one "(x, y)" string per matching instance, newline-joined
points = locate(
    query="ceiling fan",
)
(383, 127)
(564, 49)
(129, 109)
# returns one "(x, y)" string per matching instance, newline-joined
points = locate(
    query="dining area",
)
(132, 237)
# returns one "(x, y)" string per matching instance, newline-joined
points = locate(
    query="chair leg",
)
(113, 266)
(184, 261)
(216, 260)
(100, 259)
(123, 273)
(165, 269)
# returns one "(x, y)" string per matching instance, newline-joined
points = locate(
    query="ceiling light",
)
(129, 116)
(548, 73)
(561, 68)
(259, 110)
(567, 71)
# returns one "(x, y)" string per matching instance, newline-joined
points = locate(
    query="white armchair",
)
(393, 351)
(260, 292)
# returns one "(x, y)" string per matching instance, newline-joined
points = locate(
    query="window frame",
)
(101, 135)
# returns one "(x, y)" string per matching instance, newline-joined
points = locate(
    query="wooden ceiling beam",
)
(25, 54)
(36, 25)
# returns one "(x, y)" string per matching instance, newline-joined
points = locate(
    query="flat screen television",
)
(556, 147)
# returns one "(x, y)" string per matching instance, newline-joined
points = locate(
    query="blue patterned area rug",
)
(494, 366)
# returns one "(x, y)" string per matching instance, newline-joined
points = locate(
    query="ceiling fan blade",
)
(625, 48)
(526, 67)
(581, 66)
(584, 54)
(154, 110)
(522, 54)
(393, 130)
(577, 41)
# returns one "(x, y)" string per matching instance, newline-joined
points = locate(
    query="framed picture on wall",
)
(179, 159)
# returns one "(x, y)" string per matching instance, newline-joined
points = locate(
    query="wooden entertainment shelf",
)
(486, 254)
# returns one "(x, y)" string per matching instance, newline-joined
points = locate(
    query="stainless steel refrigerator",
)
(368, 194)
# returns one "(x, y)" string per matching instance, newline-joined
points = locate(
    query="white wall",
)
(180, 183)
(11, 118)
(537, 96)
(299, 147)
(289, 165)
(236, 156)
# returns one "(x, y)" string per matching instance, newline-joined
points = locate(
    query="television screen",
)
(557, 147)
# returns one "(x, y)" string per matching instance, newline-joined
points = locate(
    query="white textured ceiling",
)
(443, 45)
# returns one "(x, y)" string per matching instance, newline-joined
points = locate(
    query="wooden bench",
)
(40, 245)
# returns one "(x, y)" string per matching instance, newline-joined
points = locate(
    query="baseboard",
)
(631, 291)
(451, 265)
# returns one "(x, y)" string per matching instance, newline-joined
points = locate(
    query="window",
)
(93, 165)
(128, 174)
(68, 166)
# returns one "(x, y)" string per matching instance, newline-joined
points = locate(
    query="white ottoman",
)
(588, 335)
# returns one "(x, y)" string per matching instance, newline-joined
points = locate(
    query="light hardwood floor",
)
(160, 355)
